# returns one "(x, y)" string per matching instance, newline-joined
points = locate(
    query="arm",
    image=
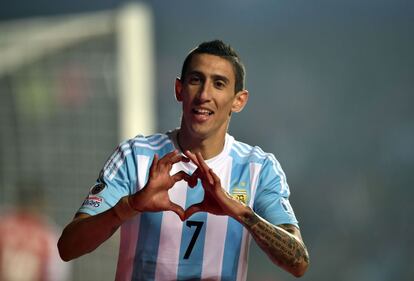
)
(85, 233)
(283, 244)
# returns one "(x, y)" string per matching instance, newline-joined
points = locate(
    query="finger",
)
(179, 158)
(178, 210)
(169, 159)
(154, 164)
(185, 159)
(192, 210)
(205, 168)
(199, 174)
(181, 175)
(192, 181)
(191, 156)
(215, 177)
(202, 167)
(175, 157)
(169, 156)
(202, 164)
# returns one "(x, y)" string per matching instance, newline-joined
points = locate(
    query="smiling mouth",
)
(204, 112)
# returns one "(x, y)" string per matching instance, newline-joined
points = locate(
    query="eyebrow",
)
(214, 76)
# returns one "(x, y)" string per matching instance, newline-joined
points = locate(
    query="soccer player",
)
(188, 201)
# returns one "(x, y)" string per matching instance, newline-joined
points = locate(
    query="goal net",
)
(71, 87)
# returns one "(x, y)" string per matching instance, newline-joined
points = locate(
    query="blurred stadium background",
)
(332, 94)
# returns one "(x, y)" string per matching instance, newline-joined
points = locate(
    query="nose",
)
(204, 93)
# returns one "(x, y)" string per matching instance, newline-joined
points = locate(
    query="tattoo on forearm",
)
(278, 243)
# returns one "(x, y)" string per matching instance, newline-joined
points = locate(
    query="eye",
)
(219, 84)
(194, 80)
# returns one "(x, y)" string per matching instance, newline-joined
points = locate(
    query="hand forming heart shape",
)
(154, 196)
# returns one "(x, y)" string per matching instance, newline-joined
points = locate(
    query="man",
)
(188, 200)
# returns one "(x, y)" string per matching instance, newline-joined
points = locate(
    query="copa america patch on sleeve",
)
(97, 188)
(93, 201)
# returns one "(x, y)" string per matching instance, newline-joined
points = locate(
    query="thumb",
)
(192, 209)
(192, 180)
(178, 210)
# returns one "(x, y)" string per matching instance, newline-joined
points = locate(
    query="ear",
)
(240, 101)
(178, 89)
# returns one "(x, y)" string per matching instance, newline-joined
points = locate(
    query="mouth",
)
(202, 112)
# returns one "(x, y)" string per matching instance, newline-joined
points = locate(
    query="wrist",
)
(123, 209)
(249, 218)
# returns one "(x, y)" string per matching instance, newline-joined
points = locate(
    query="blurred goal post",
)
(132, 25)
(58, 90)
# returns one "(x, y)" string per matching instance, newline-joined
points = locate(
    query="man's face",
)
(208, 97)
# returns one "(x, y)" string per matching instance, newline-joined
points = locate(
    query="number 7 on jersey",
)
(198, 225)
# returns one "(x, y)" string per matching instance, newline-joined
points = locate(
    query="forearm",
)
(85, 233)
(283, 248)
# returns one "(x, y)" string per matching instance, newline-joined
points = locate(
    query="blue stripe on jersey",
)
(239, 184)
(150, 223)
(189, 268)
(147, 248)
(244, 152)
(232, 250)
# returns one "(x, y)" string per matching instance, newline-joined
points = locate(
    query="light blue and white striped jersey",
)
(159, 246)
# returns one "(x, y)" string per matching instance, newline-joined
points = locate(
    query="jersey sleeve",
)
(272, 195)
(115, 181)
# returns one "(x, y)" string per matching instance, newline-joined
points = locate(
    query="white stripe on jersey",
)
(156, 139)
(130, 230)
(243, 259)
(216, 236)
(244, 251)
(279, 171)
(238, 150)
(144, 165)
(245, 150)
(151, 146)
(113, 167)
(171, 231)
(118, 159)
(127, 249)
(254, 180)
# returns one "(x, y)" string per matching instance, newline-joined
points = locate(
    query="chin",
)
(199, 133)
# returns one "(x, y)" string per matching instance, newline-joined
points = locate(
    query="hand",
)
(154, 196)
(216, 200)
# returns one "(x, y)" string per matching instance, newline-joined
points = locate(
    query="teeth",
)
(203, 111)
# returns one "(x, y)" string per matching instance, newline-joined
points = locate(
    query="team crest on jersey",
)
(240, 194)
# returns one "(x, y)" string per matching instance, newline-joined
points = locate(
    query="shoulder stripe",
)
(245, 150)
(261, 152)
(118, 158)
(156, 139)
(244, 147)
(112, 169)
(156, 146)
(238, 150)
(279, 171)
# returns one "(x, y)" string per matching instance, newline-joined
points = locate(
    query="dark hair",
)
(219, 48)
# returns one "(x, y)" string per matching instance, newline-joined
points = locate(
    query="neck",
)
(209, 147)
